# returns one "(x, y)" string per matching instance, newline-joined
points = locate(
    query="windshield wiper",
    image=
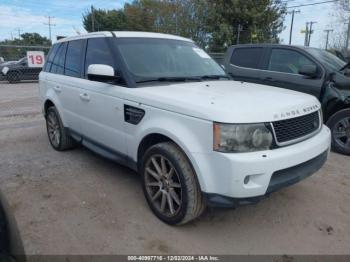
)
(215, 77)
(170, 79)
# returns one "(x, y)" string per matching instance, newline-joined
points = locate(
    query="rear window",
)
(247, 57)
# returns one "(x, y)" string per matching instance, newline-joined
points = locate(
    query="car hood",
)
(226, 101)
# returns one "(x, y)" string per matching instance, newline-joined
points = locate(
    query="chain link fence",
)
(21, 63)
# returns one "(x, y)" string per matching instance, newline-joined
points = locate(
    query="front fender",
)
(192, 135)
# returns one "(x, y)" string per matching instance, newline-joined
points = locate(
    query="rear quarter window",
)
(247, 57)
(57, 66)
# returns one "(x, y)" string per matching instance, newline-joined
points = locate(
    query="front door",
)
(101, 105)
(282, 70)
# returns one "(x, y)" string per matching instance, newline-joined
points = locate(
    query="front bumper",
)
(225, 175)
(281, 178)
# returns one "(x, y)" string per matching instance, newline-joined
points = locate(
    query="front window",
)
(149, 59)
(287, 61)
(330, 61)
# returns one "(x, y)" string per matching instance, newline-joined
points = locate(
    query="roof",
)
(124, 34)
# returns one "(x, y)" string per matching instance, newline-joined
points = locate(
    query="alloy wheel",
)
(163, 185)
(341, 132)
(53, 129)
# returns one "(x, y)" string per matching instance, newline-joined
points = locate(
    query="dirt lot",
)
(78, 203)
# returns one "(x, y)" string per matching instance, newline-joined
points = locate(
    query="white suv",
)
(160, 105)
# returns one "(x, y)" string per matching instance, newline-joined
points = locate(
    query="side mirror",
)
(101, 73)
(308, 70)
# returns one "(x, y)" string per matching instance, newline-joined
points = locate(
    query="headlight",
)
(231, 138)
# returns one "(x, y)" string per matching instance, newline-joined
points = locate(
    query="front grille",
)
(295, 128)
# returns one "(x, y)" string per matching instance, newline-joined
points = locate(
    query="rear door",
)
(244, 63)
(73, 80)
(55, 81)
(282, 66)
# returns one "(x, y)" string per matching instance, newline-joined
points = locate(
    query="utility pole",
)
(306, 33)
(239, 30)
(11, 36)
(310, 32)
(92, 19)
(291, 24)
(347, 36)
(327, 32)
(49, 23)
(176, 19)
(19, 33)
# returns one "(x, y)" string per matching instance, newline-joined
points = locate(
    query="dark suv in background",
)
(309, 70)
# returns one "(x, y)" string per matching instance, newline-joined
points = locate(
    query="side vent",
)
(133, 115)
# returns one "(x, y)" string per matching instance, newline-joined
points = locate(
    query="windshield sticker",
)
(200, 52)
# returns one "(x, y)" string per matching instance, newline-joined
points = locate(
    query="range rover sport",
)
(160, 105)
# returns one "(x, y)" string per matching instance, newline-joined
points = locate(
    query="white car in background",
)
(160, 105)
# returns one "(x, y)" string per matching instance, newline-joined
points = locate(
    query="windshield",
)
(329, 60)
(149, 59)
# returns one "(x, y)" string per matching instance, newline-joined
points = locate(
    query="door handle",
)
(85, 97)
(57, 89)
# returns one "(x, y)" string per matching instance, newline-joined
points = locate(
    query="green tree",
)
(105, 20)
(211, 24)
(182, 17)
(262, 21)
(34, 39)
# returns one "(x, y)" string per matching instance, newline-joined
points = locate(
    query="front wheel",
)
(339, 124)
(170, 184)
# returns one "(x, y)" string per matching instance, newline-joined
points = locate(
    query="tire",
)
(339, 123)
(59, 139)
(13, 77)
(175, 176)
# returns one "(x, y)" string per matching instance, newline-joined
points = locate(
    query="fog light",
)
(246, 180)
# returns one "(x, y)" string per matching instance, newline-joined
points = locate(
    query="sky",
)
(30, 16)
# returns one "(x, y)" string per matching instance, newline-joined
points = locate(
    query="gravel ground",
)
(79, 203)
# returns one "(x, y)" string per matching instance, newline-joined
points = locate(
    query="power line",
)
(318, 3)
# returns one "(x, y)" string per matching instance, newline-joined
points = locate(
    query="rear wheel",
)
(170, 185)
(59, 139)
(339, 124)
